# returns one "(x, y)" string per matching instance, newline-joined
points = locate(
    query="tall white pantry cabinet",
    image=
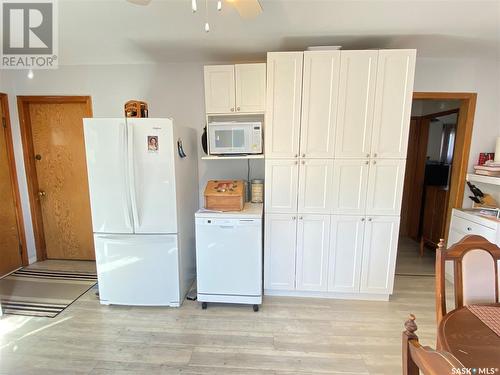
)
(336, 137)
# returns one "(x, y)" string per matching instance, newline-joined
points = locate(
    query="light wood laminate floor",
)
(287, 336)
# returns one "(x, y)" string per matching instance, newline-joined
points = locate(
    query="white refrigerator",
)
(143, 183)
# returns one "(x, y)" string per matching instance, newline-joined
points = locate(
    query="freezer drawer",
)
(229, 257)
(137, 269)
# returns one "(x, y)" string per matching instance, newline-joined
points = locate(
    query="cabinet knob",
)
(375, 155)
(367, 155)
(303, 162)
(367, 162)
(362, 219)
(232, 109)
(303, 155)
(369, 219)
(374, 162)
(296, 162)
(293, 217)
(300, 217)
(237, 108)
(296, 155)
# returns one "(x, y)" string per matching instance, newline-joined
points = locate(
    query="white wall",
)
(176, 90)
(173, 90)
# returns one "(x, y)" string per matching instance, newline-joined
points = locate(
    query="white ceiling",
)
(115, 31)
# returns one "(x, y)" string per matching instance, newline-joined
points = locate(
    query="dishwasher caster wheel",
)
(204, 305)
(255, 308)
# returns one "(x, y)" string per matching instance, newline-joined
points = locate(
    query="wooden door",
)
(279, 251)
(350, 181)
(283, 96)
(282, 179)
(346, 249)
(250, 87)
(319, 103)
(313, 235)
(358, 76)
(10, 236)
(379, 254)
(385, 186)
(315, 186)
(59, 177)
(219, 89)
(393, 99)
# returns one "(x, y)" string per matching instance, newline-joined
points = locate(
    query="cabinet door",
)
(358, 71)
(313, 232)
(281, 185)
(283, 97)
(393, 98)
(315, 186)
(350, 180)
(279, 251)
(250, 87)
(319, 103)
(219, 89)
(346, 249)
(385, 187)
(379, 254)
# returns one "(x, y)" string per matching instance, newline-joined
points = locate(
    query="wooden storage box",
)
(227, 195)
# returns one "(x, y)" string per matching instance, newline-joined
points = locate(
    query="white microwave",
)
(235, 138)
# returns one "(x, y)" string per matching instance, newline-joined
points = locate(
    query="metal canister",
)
(257, 191)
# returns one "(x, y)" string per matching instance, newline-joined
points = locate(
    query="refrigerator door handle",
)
(123, 133)
(131, 174)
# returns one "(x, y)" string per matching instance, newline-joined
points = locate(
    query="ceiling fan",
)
(246, 8)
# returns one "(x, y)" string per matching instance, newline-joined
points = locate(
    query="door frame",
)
(4, 103)
(23, 103)
(461, 150)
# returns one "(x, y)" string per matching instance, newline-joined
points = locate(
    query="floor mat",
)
(42, 292)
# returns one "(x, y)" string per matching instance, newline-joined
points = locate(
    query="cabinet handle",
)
(293, 217)
(303, 155)
(362, 219)
(369, 219)
(303, 162)
(374, 162)
(367, 162)
(296, 162)
(300, 217)
(367, 155)
(296, 155)
(232, 109)
(375, 155)
(237, 108)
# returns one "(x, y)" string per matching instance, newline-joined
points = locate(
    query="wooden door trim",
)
(4, 103)
(23, 103)
(463, 140)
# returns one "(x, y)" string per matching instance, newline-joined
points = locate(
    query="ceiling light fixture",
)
(194, 6)
(31, 74)
(219, 5)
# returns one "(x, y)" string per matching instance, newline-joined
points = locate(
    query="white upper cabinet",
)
(394, 91)
(358, 76)
(219, 89)
(281, 185)
(279, 253)
(350, 180)
(346, 248)
(319, 103)
(283, 97)
(250, 87)
(385, 186)
(315, 186)
(379, 254)
(312, 252)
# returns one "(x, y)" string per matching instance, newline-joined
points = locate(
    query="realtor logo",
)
(29, 31)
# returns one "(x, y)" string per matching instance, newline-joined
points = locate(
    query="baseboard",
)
(330, 295)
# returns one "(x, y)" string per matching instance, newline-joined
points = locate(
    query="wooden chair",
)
(418, 358)
(475, 262)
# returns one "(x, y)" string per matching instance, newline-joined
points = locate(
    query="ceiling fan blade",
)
(139, 2)
(247, 8)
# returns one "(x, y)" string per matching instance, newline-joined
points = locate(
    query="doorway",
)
(12, 241)
(56, 171)
(436, 167)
